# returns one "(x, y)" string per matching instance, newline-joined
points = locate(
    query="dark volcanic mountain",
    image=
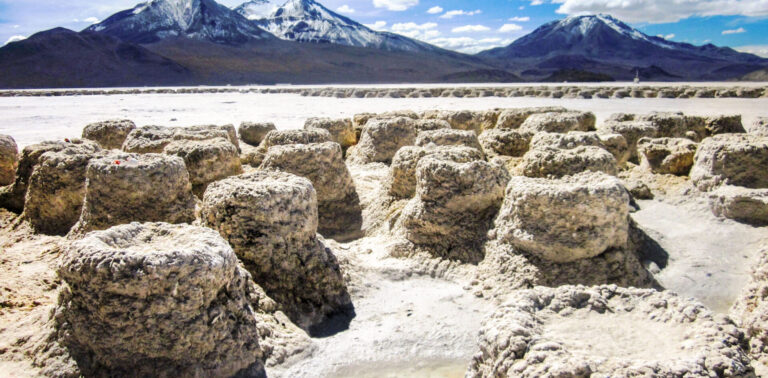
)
(63, 58)
(603, 44)
(310, 21)
(156, 20)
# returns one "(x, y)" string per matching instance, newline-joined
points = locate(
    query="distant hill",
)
(603, 44)
(63, 58)
(759, 75)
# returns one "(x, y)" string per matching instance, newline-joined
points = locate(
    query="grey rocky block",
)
(154, 139)
(740, 204)
(631, 130)
(381, 139)
(567, 140)
(207, 161)
(156, 299)
(667, 155)
(732, 159)
(574, 218)
(603, 331)
(255, 156)
(559, 122)
(505, 142)
(750, 311)
(56, 190)
(401, 181)
(339, 211)
(465, 119)
(556, 162)
(759, 127)
(252, 133)
(9, 159)
(270, 219)
(447, 137)
(514, 118)
(123, 188)
(109, 134)
(454, 207)
(341, 130)
(13, 196)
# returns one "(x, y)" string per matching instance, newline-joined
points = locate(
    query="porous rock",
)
(454, 207)
(759, 127)
(9, 159)
(338, 204)
(667, 155)
(505, 142)
(564, 220)
(56, 190)
(448, 137)
(154, 139)
(124, 188)
(402, 174)
(556, 162)
(255, 157)
(605, 331)
(560, 122)
(109, 134)
(466, 119)
(733, 159)
(13, 196)
(270, 219)
(172, 299)
(253, 133)
(751, 312)
(740, 204)
(380, 140)
(632, 131)
(514, 118)
(617, 145)
(207, 161)
(566, 141)
(341, 130)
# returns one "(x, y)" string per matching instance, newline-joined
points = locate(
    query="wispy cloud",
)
(470, 29)
(759, 50)
(734, 31)
(460, 12)
(345, 9)
(15, 38)
(378, 25)
(519, 19)
(395, 5)
(507, 28)
(663, 11)
(435, 10)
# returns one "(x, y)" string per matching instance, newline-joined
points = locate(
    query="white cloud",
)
(470, 29)
(519, 19)
(417, 31)
(759, 50)
(435, 10)
(395, 5)
(663, 11)
(469, 45)
(537, 2)
(15, 38)
(406, 26)
(378, 25)
(668, 36)
(734, 31)
(459, 12)
(506, 28)
(91, 20)
(345, 9)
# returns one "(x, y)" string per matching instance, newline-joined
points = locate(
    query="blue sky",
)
(468, 26)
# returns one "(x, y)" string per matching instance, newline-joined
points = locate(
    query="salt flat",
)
(34, 119)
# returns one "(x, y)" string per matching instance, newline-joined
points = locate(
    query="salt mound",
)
(9, 159)
(110, 134)
(607, 331)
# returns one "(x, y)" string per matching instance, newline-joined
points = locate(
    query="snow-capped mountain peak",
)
(586, 24)
(258, 9)
(155, 20)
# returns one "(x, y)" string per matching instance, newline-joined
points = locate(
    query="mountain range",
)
(189, 42)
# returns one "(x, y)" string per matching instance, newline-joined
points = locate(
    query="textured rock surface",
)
(566, 141)
(632, 131)
(253, 133)
(565, 220)
(514, 118)
(206, 161)
(605, 331)
(380, 140)
(56, 190)
(402, 174)
(124, 188)
(446, 137)
(751, 313)
(153, 139)
(171, 298)
(505, 142)
(667, 124)
(341, 130)
(109, 134)
(559, 122)
(465, 119)
(454, 207)
(733, 159)
(741, 204)
(555, 162)
(270, 219)
(430, 124)
(617, 145)
(12, 197)
(667, 155)
(284, 137)
(714, 125)
(338, 205)
(759, 127)
(9, 159)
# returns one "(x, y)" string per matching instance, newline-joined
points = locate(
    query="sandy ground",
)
(34, 119)
(407, 323)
